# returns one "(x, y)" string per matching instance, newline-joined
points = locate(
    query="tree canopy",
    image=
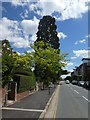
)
(7, 61)
(13, 63)
(47, 31)
(48, 62)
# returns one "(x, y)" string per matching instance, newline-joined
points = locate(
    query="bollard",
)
(49, 89)
(5, 103)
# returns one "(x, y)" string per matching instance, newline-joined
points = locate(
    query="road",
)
(72, 102)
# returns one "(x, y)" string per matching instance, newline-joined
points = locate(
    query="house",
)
(83, 69)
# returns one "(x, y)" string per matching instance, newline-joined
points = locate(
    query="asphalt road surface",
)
(73, 102)
(29, 107)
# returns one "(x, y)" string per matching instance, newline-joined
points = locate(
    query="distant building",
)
(83, 69)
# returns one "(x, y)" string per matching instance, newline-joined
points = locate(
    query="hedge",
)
(24, 82)
(23, 72)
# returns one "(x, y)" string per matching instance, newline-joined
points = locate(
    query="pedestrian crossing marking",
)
(21, 109)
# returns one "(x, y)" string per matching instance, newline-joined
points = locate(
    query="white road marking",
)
(86, 99)
(76, 91)
(82, 96)
(20, 109)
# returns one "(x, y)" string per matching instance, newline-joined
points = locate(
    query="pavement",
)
(51, 111)
(29, 107)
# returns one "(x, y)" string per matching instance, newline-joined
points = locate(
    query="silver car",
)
(67, 82)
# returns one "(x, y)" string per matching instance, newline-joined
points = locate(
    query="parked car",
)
(86, 84)
(81, 83)
(74, 82)
(67, 82)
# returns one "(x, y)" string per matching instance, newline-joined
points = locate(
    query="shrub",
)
(24, 82)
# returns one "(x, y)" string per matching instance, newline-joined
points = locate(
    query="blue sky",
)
(20, 20)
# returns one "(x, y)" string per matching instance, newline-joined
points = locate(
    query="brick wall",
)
(22, 95)
(3, 92)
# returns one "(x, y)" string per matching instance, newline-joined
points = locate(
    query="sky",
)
(20, 19)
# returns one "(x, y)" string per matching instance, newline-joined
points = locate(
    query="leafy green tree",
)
(64, 72)
(48, 34)
(13, 63)
(23, 65)
(48, 61)
(7, 61)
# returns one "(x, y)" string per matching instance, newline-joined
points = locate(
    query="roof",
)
(85, 59)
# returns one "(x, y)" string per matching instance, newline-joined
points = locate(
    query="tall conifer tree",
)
(48, 34)
(47, 31)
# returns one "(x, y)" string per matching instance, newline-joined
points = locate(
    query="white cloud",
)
(83, 41)
(76, 42)
(24, 14)
(33, 37)
(30, 26)
(18, 36)
(19, 2)
(81, 53)
(69, 64)
(71, 70)
(73, 57)
(9, 27)
(29, 51)
(61, 35)
(23, 44)
(65, 9)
